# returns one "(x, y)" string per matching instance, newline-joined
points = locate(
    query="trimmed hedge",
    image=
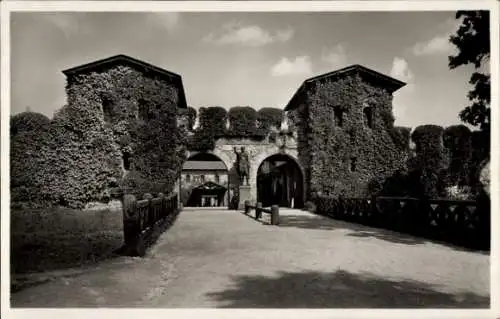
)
(269, 117)
(25, 163)
(79, 161)
(213, 119)
(28, 122)
(480, 141)
(242, 121)
(430, 162)
(212, 124)
(189, 116)
(458, 143)
(401, 137)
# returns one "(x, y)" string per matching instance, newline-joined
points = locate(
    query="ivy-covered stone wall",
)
(346, 134)
(141, 112)
(118, 130)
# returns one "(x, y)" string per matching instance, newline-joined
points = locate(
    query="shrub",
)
(28, 122)
(242, 121)
(28, 131)
(310, 207)
(213, 119)
(78, 160)
(430, 164)
(457, 141)
(401, 137)
(191, 114)
(212, 124)
(459, 193)
(268, 117)
(480, 141)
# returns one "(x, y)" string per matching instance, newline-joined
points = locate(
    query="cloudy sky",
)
(239, 59)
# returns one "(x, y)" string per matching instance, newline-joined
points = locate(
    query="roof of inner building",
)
(204, 166)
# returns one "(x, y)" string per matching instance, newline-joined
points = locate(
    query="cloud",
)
(401, 71)
(298, 66)
(439, 44)
(253, 35)
(68, 23)
(436, 45)
(336, 57)
(167, 20)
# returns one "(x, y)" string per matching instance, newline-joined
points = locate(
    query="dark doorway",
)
(207, 195)
(280, 182)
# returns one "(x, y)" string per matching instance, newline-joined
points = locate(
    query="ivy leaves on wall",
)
(79, 157)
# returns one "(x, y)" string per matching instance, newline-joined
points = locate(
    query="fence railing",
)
(274, 211)
(145, 219)
(461, 222)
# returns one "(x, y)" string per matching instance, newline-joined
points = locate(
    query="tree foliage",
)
(472, 40)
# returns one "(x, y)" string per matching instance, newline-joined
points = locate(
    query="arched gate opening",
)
(204, 181)
(280, 182)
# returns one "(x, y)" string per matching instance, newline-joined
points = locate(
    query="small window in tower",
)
(352, 166)
(339, 117)
(126, 160)
(368, 117)
(107, 109)
(143, 109)
(202, 177)
(217, 179)
(188, 178)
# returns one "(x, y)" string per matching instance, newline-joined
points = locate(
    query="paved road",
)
(220, 258)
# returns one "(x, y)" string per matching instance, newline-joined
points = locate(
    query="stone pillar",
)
(245, 195)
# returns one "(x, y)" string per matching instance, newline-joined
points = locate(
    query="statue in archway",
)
(243, 165)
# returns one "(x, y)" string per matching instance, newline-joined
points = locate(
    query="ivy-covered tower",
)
(126, 109)
(346, 135)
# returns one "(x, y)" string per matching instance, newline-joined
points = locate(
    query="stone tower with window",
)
(347, 141)
(136, 103)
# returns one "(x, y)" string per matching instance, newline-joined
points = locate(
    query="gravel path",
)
(221, 258)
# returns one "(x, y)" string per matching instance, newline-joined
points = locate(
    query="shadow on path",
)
(362, 231)
(340, 289)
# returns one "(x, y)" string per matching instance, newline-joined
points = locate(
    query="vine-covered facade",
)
(346, 134)
(126, 125)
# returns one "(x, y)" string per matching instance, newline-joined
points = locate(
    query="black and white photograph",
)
(248, 158)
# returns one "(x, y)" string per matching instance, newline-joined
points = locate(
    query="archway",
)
(280, 182)
(204, 181)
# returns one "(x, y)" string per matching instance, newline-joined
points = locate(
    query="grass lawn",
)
(43, 240)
